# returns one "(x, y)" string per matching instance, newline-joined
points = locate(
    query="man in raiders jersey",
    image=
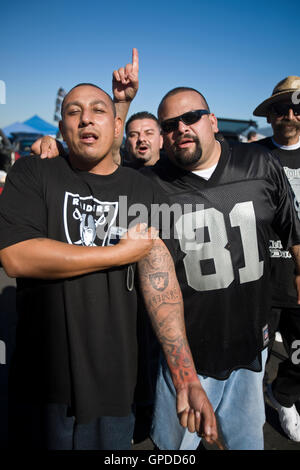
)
(230, 197)
(282, 111)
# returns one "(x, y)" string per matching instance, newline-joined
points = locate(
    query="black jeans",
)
(49, 427)
(286, 386)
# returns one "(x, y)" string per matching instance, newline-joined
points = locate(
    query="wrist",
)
(126, 101)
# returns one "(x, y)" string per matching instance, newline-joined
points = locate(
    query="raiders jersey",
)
(282, 265)
(223, 263)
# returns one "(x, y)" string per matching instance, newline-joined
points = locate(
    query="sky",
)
(233, 52)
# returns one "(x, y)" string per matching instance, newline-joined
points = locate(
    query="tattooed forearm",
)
(164, 303)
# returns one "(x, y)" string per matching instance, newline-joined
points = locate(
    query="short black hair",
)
(141, 115)
(95, 86)
(176, 90)
(251, 134)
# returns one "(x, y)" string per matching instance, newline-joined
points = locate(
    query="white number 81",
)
(242, 216)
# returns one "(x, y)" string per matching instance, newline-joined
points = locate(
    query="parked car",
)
(22, 142)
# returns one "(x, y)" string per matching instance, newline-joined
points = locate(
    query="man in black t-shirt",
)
(231, 197)
(62, 226)
(282, 111)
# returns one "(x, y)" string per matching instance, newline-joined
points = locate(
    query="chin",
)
(187, 161)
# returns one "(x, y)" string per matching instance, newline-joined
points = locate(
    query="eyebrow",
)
(78, 103)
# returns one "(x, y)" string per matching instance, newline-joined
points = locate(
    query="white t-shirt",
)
(287, 147)
(206, 174)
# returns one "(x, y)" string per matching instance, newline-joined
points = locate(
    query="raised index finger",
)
(135, 60)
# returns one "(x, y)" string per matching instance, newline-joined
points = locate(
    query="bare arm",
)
(295, 252)
(125, 85)
(164, 303)
(44, 258)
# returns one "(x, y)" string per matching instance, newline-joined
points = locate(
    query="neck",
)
(212, 159)
(152, 161)
(104, 166)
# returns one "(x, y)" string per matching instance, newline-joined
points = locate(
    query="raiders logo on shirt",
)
(88, 221)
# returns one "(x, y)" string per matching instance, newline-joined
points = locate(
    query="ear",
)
(214, 122)
(118, 126)
(268, 119)
(161, 141)
(61, 128)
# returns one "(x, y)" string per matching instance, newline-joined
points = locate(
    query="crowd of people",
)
(87, 282)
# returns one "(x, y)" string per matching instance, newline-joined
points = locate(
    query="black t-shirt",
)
(76, 338)
(283, 268)
(223, 265)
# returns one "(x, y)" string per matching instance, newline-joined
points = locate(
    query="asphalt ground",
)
(275, 439)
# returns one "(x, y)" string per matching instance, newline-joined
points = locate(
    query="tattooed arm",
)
(164, 303)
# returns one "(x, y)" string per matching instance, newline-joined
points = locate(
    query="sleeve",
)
(286, 222)
(23, 211)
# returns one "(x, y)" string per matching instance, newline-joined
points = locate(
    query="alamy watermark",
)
(296, 94)
(2, 92)
(2, 352)
(163, 216)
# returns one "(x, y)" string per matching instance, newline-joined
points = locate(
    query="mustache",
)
(186, 137)
(286, 123)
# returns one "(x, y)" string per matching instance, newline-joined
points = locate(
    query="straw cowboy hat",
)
(283, 89)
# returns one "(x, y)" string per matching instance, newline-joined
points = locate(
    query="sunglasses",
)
(282, 109)
(171, 125)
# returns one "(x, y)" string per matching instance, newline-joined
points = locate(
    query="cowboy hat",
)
(282, 90)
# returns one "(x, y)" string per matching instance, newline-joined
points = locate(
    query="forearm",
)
(295, 252)
(50, 259)
(165, 307)
(122, 108)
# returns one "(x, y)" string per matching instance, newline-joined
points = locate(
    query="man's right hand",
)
(136, 243)
(47, 147)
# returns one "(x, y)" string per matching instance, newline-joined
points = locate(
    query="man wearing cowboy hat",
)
(282, 111)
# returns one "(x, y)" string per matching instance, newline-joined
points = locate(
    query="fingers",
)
(198, 418)
(141, 230)
(36, 147)
(130, 71)
(45, 148)
(135, 60)
(207, 427)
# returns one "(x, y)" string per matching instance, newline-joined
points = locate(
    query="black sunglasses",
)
(282, 109)
(170, 125)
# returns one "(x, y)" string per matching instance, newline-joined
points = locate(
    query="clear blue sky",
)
(233, 52)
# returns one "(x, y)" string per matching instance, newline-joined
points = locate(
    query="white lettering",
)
(2, 352)
(296, 354)
(2, 92)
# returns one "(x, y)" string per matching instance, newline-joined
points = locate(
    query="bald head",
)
(176, 91)
(90, 85)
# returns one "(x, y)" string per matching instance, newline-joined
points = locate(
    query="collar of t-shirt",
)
(287, 147)
(206, 174)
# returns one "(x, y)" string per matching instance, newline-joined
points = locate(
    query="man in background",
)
(282, 111)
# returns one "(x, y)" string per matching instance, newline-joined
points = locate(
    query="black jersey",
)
(283, 269)
(223, 263)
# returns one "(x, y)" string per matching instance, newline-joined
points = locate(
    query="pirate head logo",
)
(159, 280)
(88, 221)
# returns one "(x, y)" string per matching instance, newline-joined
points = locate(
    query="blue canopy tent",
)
(41, 126)
(19, 128)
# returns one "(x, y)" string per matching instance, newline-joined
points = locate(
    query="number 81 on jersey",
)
(243, 216)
